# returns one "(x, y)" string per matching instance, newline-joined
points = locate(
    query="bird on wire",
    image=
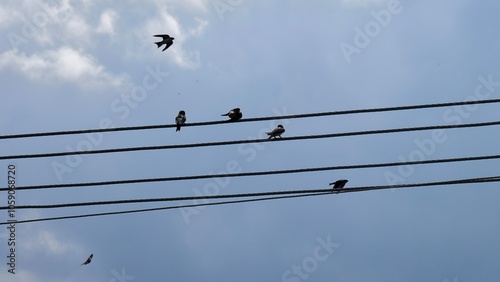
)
(180, 119)
(276, 132)
(338, 185)
(234, 114)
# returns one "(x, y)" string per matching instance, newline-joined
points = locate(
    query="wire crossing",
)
(347, 190)
(245, 195)
(166, 208)
(261, 194)
(223, 143)
(344, 112)
(256, 173)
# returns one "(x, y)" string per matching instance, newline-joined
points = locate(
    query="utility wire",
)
(186, 198)
(261, 194)
(257, 173)
(359, 189)
(166, 208)
(344, 112)
(221, 143)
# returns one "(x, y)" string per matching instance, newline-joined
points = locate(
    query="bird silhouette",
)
(276, 132)
(234, 114)
(166, 39)
(180, 119)
(88, 260)
(339, 184)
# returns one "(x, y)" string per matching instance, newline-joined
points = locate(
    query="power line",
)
(186, 198)
(344, 112)
(165, 208)
(222, 143)
(257, 173)
(260, 194)
(348, 190)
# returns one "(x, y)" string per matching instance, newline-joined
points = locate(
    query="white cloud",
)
(198, 30)
(107, 22)
(65, 64)
(47, 242)
(61, 23)
(7, 17)
(21, 276)
(77, 29)
(45, 22)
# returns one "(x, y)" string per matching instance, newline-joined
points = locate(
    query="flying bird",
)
(339, 184)
(88, 260)
(166, 39)
(234, 114)
(276, 132)
(180, 119)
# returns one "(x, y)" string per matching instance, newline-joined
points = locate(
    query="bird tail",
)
(158, 44)
(178, 128)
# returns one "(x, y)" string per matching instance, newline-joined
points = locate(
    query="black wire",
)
(344, 112)
(258, 173)
(437, 183)
(221, 143)
(348, 190)
(167, 208)
(244, 195)
(260, 194)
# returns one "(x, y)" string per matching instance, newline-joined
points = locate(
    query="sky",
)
(68, 65)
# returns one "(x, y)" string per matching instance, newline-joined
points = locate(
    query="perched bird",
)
(166, 39)
(180, 119)
(88, 260)
(276, 132)
(339, 184)
(234, 114)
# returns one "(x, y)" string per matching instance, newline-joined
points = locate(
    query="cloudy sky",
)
(67, 65)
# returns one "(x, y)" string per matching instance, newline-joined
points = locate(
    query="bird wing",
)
(278, 131)
(162, 35)
(272, 132)
(88, 260)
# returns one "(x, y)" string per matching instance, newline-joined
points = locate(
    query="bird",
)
(234, 114)
(180, 119)
(339, 184)
(166, 39)
(276, 132)
(88, 260)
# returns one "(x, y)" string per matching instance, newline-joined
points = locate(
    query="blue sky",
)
(68, 65)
